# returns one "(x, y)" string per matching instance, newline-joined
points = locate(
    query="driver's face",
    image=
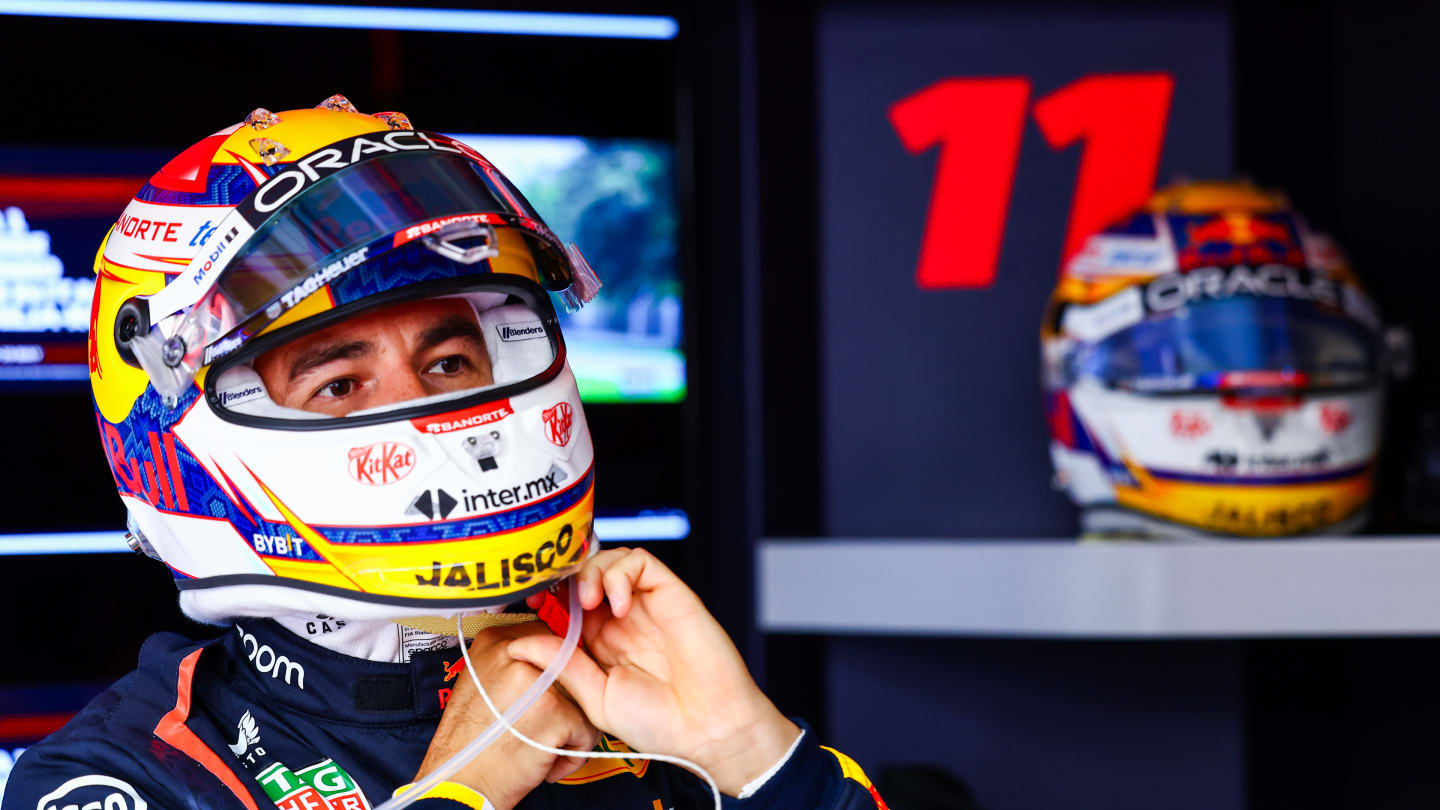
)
(391, 355)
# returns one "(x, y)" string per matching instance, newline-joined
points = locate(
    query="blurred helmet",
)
(1212, 366)
(246, 301)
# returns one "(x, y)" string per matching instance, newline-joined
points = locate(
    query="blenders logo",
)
(520, 331)
(319, 278)
(219, 349)
(558, 421)
(236, 397)
(268, 662)
(381, 463)
(312, 168)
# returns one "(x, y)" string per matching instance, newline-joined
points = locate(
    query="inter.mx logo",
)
(978, 125)
(269, 662)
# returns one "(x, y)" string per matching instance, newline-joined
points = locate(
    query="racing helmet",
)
(244, 301)
(1212, 367)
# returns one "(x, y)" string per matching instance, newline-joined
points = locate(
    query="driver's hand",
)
(508, 769)
(660, 673)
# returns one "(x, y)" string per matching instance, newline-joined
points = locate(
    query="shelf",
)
(1065, 589)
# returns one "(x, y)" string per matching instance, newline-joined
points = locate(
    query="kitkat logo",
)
(558, 421)
(1188, 424)
(381, 463)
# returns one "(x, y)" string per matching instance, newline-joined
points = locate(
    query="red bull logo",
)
(1238, 238)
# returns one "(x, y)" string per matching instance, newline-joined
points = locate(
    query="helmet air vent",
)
(271, 152)
(338, 103)
(261, 118)
(394, 120)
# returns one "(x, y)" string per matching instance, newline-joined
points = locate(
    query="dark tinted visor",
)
(1234, 343)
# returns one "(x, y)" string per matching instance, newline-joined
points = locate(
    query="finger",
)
(636, 571)
(588, 579)
(582, 738)
(582, 678)
(563, 767)
(592, 623)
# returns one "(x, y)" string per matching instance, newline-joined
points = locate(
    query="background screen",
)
(614, 197)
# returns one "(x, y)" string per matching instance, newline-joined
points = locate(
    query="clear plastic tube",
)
(565, 653)
(495, 729)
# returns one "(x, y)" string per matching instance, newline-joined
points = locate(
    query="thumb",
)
(581, 677)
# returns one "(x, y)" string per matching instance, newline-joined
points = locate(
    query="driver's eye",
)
(453, 364)
(337, 388)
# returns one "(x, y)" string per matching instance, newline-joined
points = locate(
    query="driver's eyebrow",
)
(451, 326)
(316, 357)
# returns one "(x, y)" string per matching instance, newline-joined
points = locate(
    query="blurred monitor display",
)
(615, 198)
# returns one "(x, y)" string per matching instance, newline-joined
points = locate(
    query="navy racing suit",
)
(261, 718)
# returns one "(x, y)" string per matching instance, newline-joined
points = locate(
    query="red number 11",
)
(978, 124)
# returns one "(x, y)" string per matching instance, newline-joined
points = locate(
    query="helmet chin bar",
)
(1113, 522)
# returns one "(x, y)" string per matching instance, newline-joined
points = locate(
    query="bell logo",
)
(93, 791)
(268, 662)
(558, 421)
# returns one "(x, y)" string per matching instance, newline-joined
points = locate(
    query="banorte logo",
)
(381, 463)
(558, 421)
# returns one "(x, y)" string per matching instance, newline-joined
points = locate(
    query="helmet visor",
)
(1232, 343)
(395, 199)
(449, 203)
(423, 354)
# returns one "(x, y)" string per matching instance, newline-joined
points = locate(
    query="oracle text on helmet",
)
(282, 187)
(1177, 289)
